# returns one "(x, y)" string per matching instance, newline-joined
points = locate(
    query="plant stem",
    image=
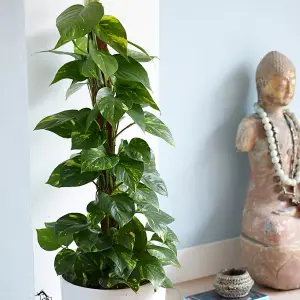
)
(128, 126)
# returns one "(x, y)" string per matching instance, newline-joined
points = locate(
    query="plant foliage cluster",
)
(115, 248)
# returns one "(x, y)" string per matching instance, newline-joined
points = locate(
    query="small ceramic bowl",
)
(233, 283)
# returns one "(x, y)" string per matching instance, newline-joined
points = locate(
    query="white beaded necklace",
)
(274, 153)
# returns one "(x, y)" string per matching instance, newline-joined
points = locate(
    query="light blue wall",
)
(16, 254)
(208, 54)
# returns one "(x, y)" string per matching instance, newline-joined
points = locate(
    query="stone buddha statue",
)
(270, 236)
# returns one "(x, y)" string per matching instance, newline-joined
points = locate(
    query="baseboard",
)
(206, 260)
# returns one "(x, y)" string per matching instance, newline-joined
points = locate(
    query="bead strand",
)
(274, 148)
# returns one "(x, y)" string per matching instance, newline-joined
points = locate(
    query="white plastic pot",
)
(73, 292)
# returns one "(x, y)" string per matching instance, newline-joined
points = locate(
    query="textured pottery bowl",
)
(233, 283)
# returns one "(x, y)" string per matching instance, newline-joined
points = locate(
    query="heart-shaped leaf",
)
(77, 21)
(131, 70)
(137, 93)
(144, 195)
(105, 62)
(152, 270)
(165, 255)
(156, 127)
(112, 109)
(129, 171)
(122, 208)
(71, 223)
(96, 160)
(112, 32)
(138, 149)
(70, 70)
(64, 261)
(47, 239)
(74, 87)
(68, 174)
(89, 68)
(61, 123)
(137, 115)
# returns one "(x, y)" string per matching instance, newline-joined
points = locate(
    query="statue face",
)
(279, 90)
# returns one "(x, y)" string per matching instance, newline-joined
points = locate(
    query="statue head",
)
(275, 80)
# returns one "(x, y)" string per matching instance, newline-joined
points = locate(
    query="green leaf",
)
(152, 270)
(87, 140)
(167, 284)
(134, 279)
(89, 68)
(157, 215)
(112, 109)
(138, 149)
(122, 208)
(170, 237)
(171, 246)
(121, 257)
(135, 228)
(100, 205)
(77, 21)
(86, 239)
(104, 92)
(64, 261)
(75, 55)
(137, 115)
(103, 243)
(153, 180)
(88, 264)
(157, 224)
(137, 93)
(125, 238)
(165, 255)
(71, 223)
(74, 87)
(158, 220)
(80, 46)
(156, 127)
(131, 70)
(96, 160)
(95, 217)
(105, 62)
(144, 195)
(140, 48)
(70, 70)
(47, 239)
(92, 116)
(139, 56)
(129, 171)
(61, 123)
(65, 239)
(112, 32)
(68, 174)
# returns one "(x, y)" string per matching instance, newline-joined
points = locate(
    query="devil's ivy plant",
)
(124, 239)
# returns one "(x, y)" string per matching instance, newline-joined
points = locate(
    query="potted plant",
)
(120, 246)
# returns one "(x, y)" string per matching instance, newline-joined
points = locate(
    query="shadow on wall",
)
(227, 168)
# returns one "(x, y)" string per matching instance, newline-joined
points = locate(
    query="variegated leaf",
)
(77, 21)
(70, 70)
(96, 160)
(156, 127)
(105, 62)
(68, 174)
(112, 109)
(131, 70)
(112, 32)
(129, 171)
